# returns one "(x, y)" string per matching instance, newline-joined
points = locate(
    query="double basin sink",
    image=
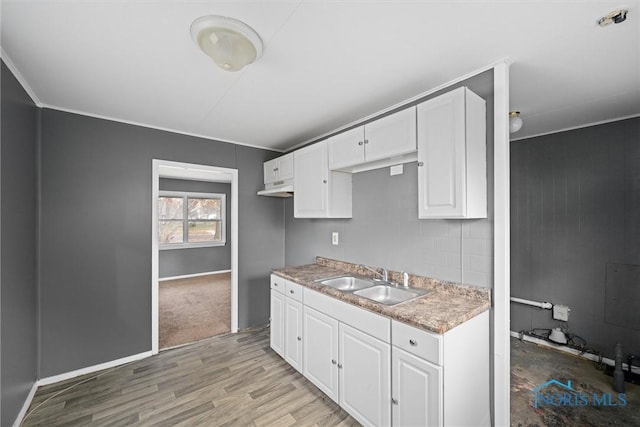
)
(376, 290)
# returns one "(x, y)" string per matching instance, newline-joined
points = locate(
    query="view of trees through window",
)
(185, 219)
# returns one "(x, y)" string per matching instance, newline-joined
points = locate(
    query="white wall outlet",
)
(335, 238)
(561, 312)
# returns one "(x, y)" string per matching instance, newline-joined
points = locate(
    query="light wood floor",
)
(230, 380)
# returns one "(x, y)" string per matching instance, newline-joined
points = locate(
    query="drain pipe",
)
(545, 305)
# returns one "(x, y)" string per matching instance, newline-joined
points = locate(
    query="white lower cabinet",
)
(293, 333)
(416, 391)
(277, 322)
(321, 351)
(365, 380)
(381, 371)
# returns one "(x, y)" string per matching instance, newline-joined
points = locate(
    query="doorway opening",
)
(192, 287)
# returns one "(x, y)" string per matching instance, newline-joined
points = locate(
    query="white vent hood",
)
(278, 189)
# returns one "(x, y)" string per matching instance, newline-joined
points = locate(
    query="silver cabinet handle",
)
(275, 284)
(276, 169)
(324, 181)
(333, 361)
(299, 338)
(420, 163)
(291, 291)
(339, 365)
(360, 142)
(366, 141)
(394, 400)
(413, 342)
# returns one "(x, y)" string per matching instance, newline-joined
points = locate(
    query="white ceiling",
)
(325, 63)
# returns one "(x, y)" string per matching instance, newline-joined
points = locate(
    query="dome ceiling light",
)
(515, 122)
(231, 44)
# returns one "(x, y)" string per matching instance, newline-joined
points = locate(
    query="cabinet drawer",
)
(278, 283)
(416, 341)
(293, 290)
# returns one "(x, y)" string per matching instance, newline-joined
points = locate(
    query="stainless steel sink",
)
(390, 295)
(347, 283)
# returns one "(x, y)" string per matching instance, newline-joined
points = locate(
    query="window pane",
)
(204, 231)
(170, 208)
(204, 208)
(170, 232)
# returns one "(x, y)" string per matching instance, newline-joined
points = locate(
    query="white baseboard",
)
(187, 276)
(570, 350)
(25, 407)
(94, 368)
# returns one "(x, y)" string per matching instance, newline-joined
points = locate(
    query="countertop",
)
(446, 306)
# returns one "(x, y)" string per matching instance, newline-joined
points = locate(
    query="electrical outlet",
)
(335, 238)
(561, 312)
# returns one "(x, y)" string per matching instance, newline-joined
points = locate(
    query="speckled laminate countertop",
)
(444, 308)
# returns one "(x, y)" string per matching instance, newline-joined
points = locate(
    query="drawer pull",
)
(339, 365)
(291, 291)
(413, 342)
(333, 361)
(394, 400)
(299, 338)
(275, 284)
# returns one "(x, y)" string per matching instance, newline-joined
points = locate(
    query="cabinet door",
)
(416, 391)
(441, 154)
(285, 167)
(320, 351)
(293, 333)
(277, 322)
(270, 169)
(392, 135)
(310, 182)
(346, 148)
(365, 382)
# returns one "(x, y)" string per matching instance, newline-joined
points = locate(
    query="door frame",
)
(191, 171)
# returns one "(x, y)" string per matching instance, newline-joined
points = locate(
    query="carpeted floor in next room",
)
(194, 309)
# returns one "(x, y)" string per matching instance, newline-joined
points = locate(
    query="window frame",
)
(185, 195)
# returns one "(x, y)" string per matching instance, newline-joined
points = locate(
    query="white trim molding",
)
(25, 406)
(18, 75)
(166, 168)
(189, 276)
(501, 248)
(95, 368)
(586, 125)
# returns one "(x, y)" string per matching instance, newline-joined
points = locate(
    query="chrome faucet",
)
(384, 274)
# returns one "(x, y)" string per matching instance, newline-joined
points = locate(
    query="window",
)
(187, 220)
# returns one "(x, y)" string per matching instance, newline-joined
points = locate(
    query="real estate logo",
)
(556, 393)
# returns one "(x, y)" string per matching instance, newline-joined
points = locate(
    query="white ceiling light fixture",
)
(231, 44)
(515, 122)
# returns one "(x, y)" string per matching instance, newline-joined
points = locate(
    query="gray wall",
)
(179, 262)
(18, 250)
(96, 235)
(574, 209)
(385, 230)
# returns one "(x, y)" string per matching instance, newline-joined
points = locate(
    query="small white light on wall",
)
(515, 122)
(231, 44)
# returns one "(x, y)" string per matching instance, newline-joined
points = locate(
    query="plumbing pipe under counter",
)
(545, 305)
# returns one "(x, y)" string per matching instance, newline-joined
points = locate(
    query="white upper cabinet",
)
(319, 193)
(387, 141)
(278, 169)
(452, 172)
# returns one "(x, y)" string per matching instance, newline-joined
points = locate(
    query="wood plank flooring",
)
(230, 380)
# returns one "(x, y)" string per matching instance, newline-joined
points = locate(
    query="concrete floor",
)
(533, 365)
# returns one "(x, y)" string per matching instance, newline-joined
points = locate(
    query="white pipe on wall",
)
(545, 305)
